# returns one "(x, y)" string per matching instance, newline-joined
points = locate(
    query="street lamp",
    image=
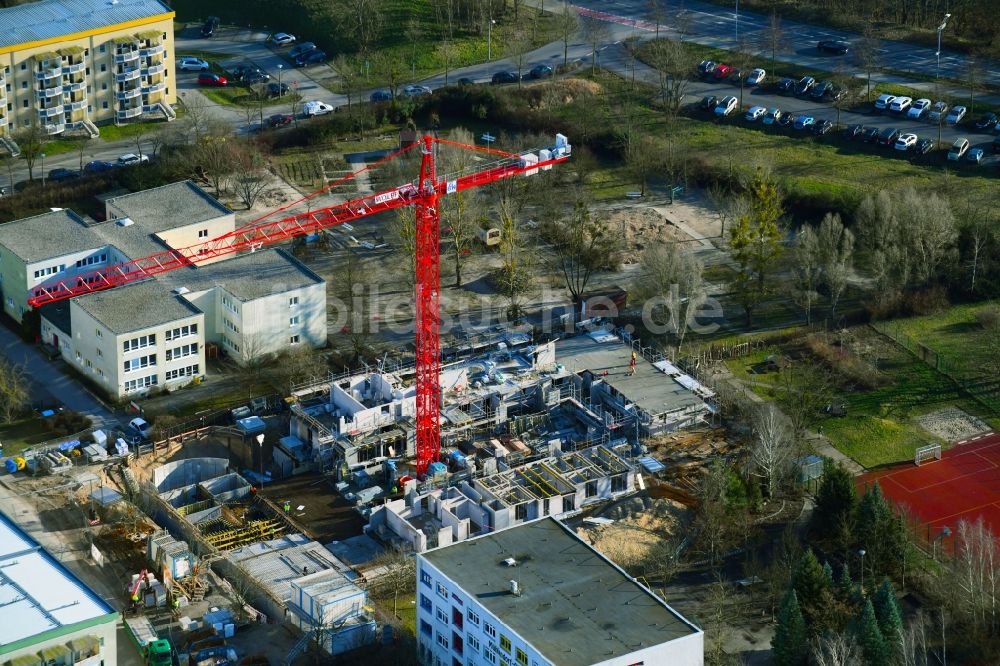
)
(43, 169)
(260, 444)
(940, 29)
(861, 552)
(280, 67)
(489, 40)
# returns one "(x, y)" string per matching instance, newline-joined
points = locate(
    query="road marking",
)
(613, 18)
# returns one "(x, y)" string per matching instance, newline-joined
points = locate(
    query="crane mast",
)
(424, 196)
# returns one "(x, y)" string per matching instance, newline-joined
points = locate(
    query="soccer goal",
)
(927, 453)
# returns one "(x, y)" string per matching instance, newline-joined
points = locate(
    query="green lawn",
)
(21, 434)
(243, 97)
(406, 609)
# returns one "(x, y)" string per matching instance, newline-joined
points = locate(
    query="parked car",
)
(282, 38)
(465, 81)
(804, 85)
(505, 76)
(191, 64)
(726, 106)
(706, 67)
(786, 86)
(415, 90)
(253, 78)
(901, 104)
(822, 127)
(756, 77)
(98, 166)
(381, 96)
(833, 47)
(870, 134)
(854, 131)
(300, 49)
(906, 141)
(140, 427)
(540, 72)
(958, 149)
(956, 115)
(937, 112)
(918, 109)
(709, 102)
(821, 90)
(280, 119)
(786, 120)
(883, 102)
(131, 159)
(60, 175)
(209, 79)
(804, 122)
(211, 24)
(722, 71)
(975, 155)
(314, 57)
(317, 108)
(888, 136)
(988, 121)
(277, 89)
(925, 146)
(772, 116)
(755, 113)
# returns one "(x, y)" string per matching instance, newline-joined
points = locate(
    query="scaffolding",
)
(224, 535)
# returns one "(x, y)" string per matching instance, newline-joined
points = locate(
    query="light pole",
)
(489, 40)
(940, 29)
(260, 444)
(861, 552)
(280, 67)
(43, 169)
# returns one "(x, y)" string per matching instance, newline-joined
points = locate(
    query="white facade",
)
(456, 625)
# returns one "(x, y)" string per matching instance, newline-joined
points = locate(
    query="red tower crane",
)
(422, 195)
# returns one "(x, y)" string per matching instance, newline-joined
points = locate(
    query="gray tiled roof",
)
(247, 277)
(48, 236)
(574, 606)
(49, 19)
(168, 207)
(136, 307)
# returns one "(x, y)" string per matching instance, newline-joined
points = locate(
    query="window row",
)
(189, 371)
(91, 260)
(182, 351)
(49, 270)
(137, 384)
(140, 342)
(182, 332)
(138, 363)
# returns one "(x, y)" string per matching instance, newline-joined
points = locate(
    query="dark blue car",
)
(98, 166)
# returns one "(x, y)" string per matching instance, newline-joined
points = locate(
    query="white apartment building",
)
(154, 333)
(537, 595)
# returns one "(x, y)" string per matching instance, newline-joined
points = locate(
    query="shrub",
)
(844, 362)
(989, 317)
(67, 423)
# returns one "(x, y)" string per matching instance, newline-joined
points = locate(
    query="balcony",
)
(51, 111)
(128, 56)
(127, 75)
(130, 93)
(74, 69)
(75, 87)
(46, 93)
(154, 69)
(152, 51)
(51, 73)
(125, 114)
(55, 128)
(155, 87)
(76, 106)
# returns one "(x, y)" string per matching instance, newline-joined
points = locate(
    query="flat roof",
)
(136, 307)
(37, 593)
(49, 235)
(575, 607)
(247, 276)
(650, 388)
(168, 207)
(52, 19)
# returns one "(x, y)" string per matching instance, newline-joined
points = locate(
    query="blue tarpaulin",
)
(651, 465)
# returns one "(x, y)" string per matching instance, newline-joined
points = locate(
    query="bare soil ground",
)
(641, 228)
(951, 424)
(325, 515)
(640, 523)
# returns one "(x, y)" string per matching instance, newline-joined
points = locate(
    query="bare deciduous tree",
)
(672, 282)
(836, 649)
(807, 269)
(566, 25)
(214, 155)
(773, 38)
(397, 575)
(772, 449)
(250, 177)
(32, 141)
(836, 251)
(866, 55)
(364, 19)
(596, 33)
(462, 212)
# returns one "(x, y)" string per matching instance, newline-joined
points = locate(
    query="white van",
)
(958, 149)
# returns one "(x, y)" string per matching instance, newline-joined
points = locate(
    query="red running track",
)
(964, 484)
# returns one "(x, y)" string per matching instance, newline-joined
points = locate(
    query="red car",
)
(722, 71)
(279, 119)
(209, 79)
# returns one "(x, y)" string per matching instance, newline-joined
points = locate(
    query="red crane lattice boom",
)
(423, 196)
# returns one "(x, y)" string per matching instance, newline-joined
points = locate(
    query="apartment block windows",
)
(473, 617)
(203, 233)
(425, 578)
(441, 615)
(473, 643)
(90, 261)
(294, 321)
(504, 643)
(189, 371)
(183, 332)
(294, 340)
(293, 301)
(442, 641)
(490, 630)
(138, 384)
(182, 351)
(521, 657)
(140, 342)
(425, 603)
(442, 591)
(229, 305)
(425, 627)
(138, 363)
(49, 270)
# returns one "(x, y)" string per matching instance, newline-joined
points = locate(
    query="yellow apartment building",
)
(71, 64)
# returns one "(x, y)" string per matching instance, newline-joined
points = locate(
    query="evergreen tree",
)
(755, 240)
(844, 583)
(812, 589)
(873, 514)
(870, 637)
(880, 532)
(835, 503)
(790, 644)
(889, 616)
(828, 572)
